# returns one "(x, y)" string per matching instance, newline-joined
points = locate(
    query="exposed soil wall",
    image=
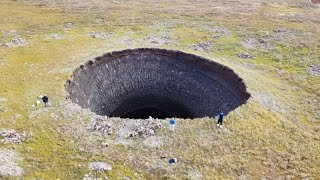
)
(315, 1)
(175, 83)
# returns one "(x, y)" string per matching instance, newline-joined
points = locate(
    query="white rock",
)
(100, 166)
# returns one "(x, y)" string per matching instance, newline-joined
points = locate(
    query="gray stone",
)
(16, 41)
(204, 46)
(245, 56)
(101, 125)
(314, 70)
(100, 166)
(12, 137)
(69, 25)
(253, 42)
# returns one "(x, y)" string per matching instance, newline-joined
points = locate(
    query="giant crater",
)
(138, 83)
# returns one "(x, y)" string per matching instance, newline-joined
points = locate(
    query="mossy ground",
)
(276, 134)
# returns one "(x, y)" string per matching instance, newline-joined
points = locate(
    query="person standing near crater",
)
(45, 100)
(220, 119)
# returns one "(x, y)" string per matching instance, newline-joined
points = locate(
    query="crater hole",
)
(159, 83)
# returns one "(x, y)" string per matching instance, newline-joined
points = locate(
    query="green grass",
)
(277, 138)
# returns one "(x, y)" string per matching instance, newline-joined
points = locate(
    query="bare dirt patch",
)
(16, 42)
(160, 40)
(8, 163)
(100, 166)
(245, 55)
(251, 43)
(268, 101)
(314, 70)
(219, 31)
(204, 47)
(281, 34)
(153, 142)
(100, 35)
(12, 137)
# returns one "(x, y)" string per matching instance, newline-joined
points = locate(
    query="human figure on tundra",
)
(220, 119)
(45, 100)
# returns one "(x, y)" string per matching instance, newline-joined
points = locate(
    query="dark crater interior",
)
(155, 82)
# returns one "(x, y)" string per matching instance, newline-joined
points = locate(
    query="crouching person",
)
(45, 100)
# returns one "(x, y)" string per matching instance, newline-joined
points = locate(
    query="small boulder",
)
(12, 137)
(314, 70)
(245, 56)
(100, 166)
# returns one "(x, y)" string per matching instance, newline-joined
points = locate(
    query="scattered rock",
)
(17, 41)
(245, 55)
(12, 137)
(69, 25)
(145, 130)
(8, 163)
(253, 42)
(160, 40)
(314, 70)
(282, 30)
(281, 33)
(100, 166)
(205, 47)
(101, 125)
(99, 35)
(56, 36)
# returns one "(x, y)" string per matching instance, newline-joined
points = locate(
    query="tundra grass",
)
(275, 135)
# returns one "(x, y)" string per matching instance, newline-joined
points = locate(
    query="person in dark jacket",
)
(45, 100)
(173, 161)
(220, 119)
